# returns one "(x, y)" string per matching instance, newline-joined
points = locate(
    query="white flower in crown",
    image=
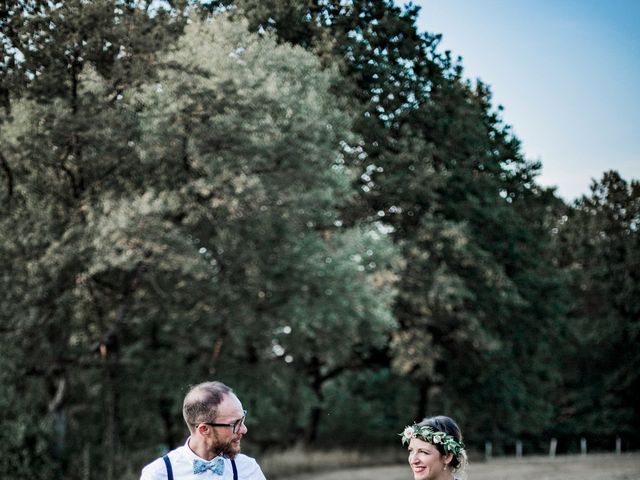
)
(408, 433)
(436, 439)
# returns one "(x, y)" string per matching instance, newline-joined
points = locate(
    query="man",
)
(215, 419)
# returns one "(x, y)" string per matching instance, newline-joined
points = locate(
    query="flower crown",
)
(429, 434)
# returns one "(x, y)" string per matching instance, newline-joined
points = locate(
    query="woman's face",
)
(426, 461)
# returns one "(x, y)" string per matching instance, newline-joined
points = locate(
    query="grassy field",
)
(573, 467)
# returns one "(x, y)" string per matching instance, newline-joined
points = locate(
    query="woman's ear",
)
(447, 458)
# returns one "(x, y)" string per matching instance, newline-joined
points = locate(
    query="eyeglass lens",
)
(237, 425)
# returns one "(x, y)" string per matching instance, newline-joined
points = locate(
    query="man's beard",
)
(228, 449)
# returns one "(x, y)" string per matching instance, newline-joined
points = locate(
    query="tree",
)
(196, 217)
(598, 244)
(439, 167)
(58, 112)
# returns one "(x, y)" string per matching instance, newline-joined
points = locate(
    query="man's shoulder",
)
(154, 470)
(248, 467)
(157, 469)
(241, 458)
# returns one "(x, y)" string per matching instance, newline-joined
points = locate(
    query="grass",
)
(299, 460)
(298, 464)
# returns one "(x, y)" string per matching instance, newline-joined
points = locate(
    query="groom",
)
(215, 419)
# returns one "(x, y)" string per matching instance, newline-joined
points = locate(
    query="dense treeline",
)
(308, 201)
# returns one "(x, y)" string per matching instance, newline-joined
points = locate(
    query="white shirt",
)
(182, 465)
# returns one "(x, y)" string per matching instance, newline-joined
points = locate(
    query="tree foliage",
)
(182, 226)
(437, 164)
(598, 247)
(306, 200)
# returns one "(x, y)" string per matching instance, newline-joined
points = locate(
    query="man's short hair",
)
(201, 402)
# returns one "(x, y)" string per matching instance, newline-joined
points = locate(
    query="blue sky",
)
(567, 73)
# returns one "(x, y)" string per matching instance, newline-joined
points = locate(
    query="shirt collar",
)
(193, 456)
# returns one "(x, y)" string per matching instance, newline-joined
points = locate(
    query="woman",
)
(436, 451)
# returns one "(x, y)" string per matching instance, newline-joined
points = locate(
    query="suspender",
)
(167, 462)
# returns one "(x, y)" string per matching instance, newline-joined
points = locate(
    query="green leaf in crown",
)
(428, 434)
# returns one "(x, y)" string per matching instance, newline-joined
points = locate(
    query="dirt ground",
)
(590, 467)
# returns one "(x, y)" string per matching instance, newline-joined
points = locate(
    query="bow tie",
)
(216, 466)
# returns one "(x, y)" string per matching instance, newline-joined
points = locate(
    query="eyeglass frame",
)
(235, 426)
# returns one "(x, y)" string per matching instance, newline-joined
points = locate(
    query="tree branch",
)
(8, 174)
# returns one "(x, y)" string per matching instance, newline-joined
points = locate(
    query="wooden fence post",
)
(518, 448)
(618, 445)
(86, 463)
(583, 446)
(552, 447)
(488, 450)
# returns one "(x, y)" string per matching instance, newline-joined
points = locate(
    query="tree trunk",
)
(423, 399)
(318, 408)
(314, 423)
(110, 419)
(164, 406)
(58, 415)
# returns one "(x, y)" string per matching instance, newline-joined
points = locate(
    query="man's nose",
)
(243, 429)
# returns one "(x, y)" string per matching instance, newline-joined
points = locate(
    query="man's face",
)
(225, 441)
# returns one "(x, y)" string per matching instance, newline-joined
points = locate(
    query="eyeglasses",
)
(237, 425)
